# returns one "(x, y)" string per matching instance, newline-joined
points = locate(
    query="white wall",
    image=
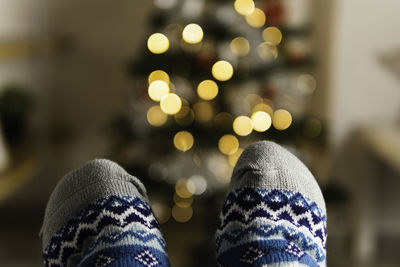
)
(16, 18)
(20, 24)
(361, 88)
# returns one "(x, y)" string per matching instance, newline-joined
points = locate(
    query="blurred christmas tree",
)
(214, 76)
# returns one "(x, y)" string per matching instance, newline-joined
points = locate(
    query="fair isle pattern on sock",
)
(263, 226)
(112, 231)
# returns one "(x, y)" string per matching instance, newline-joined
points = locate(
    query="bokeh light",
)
(243, 125)
(273, 35)
(264, 107)
(157, 90)
(282, 119)
(256, 19)
(203, 112)
(240, 46)
(171, 104)
(261, 121)
(244, 7)
(200, 184)
(228, 144)
(158, 43)
(183, 141)
(182, 215)
(207, 90)
(222, 70)
(267, 51)
(185, 188)
(219, 166)
(306, 84)
(158, 75)
(192, 33)
(156, 117)
(233, 158)
(192, 9)
(165, 4)
(183, 202)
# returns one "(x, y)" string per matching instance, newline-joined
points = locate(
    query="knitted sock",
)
(99, 215)
(274, 214)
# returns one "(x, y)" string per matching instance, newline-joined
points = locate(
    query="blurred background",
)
(174, 90)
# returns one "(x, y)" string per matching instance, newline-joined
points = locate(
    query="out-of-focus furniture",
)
(369, 165)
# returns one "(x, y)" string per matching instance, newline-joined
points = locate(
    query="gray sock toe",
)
(267, 165)
(99, 178)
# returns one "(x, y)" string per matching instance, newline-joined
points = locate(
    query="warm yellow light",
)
(207, 89)
(192, 33)
(282, 119)
(183, 202)
(240, 46)
(264, 107)
(203, 112)
(244, 7)
(273, 35)
(158, 43)
(243, 125)
(261, 121)
(182, 214)
(157, 90)
(228, 144)
(158, 75)
(171, 104)
(185, 188)
(156, 117)
(233, 158)
(256, 19)
(267, 51)
(222, 70)
(183, 141)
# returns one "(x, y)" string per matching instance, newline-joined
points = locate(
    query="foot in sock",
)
(274, 214)
(99, 215)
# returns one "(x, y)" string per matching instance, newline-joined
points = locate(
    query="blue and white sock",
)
(99, 215)
(274, 214)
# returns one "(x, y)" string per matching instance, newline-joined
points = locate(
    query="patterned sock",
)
(99, 215)
(274, 214)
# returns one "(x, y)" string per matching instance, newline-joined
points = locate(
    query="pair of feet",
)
(274, 215)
